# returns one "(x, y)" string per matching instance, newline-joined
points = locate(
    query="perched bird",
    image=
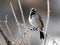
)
(36, 21)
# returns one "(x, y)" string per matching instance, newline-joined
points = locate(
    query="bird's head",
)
(33, 11)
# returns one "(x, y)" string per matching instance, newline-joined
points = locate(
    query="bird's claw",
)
(34, 29)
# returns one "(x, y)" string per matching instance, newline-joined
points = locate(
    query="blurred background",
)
(41, 6)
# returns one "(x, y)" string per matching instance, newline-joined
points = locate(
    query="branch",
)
(17, 22)
(46, 27)
(19, 2)
(5, 36)
(5, 21)
(21, 11)
(48, 14)
(10, 32)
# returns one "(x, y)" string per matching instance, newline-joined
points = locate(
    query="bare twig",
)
(5, 36)
(19, 42)
(17, 22)
(46, 27)
(8, 28)
(19, 2)
(5, 21)
(48, 13)
(10, 33)
(21, 12)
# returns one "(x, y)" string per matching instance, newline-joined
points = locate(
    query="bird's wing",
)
(41, 21)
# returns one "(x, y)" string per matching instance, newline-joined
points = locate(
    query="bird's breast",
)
(34, 21)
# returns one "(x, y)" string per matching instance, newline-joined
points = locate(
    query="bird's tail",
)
(41, 35)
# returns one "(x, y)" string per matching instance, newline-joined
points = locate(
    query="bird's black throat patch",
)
(33, 13)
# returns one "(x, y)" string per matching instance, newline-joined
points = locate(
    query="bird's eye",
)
(33, 10)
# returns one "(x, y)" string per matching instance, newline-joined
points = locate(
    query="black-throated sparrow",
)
(36, 21)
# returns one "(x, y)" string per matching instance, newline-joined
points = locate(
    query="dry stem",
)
(17, 22)
(19, 2)
(46, 27)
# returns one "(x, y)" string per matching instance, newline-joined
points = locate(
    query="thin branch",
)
(46, 27)
(22, 14)
(16, 22)
(5, 36)
(48, 14)
(21, 11)
(19, 2)
(10, 32)
(5, 21)
(19, 42)
(8, 28)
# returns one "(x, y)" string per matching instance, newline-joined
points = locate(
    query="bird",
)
(36, 21)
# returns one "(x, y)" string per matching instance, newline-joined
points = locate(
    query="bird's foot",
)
(34, 28)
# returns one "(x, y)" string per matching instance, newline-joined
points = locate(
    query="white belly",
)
(35, 21)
